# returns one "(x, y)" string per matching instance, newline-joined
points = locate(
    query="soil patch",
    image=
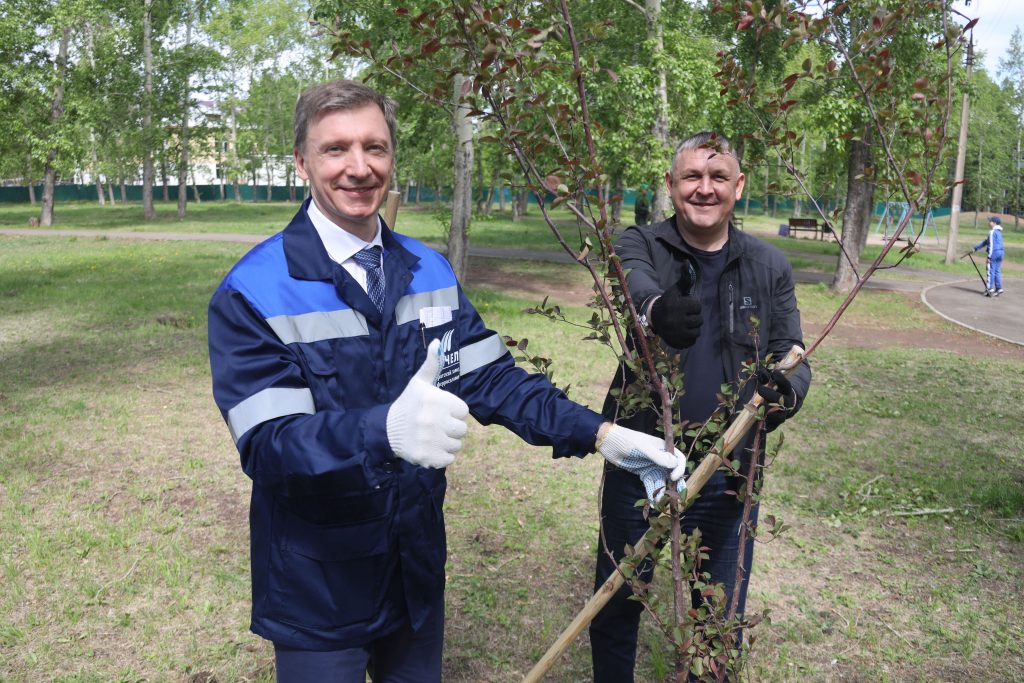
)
(563, 280)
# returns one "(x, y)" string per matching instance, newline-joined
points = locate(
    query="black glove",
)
(782, 395)
(675, 316)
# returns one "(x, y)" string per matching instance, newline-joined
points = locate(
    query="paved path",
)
(958, 300)
(964, 303)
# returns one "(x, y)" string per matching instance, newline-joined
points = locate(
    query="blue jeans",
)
(405, 656)
(613, 633)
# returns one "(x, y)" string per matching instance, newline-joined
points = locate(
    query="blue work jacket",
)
(347, 539)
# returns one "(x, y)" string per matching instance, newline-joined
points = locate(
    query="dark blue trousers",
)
(613, 633)
(405, 656)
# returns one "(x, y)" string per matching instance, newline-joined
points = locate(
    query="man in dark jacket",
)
(699, 284)
(345, 360)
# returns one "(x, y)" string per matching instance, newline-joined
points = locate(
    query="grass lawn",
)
(123, 512)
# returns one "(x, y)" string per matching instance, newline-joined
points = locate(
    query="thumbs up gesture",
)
(425, 425)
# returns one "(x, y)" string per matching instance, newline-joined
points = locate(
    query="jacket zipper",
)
(732, 325)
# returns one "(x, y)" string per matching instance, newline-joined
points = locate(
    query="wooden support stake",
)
(714, 459)
(391, 208)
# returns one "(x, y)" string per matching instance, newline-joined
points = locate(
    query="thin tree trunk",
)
(124, 191)
(184, 132)
(462, 190)
(655, 33)
(620, 192)
(479, 189)
(236, 183)
(767, 182)
(798, 205)
(30, 181)
(495, 180)
(95, 167)
(778, 176)
(56, 112)
(163, 174)
(110, 191)
(857, 216)
(516, 206)
(148, 212)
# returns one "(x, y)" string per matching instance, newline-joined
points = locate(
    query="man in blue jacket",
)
(993, 244)
(345, 360)
(702, 287)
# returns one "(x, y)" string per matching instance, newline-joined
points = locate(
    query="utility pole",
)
(961, 154)
(1016, 202)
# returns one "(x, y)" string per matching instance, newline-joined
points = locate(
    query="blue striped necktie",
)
(369, 259)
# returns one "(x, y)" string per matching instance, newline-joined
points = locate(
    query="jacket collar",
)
(666, 232)
(308, 260)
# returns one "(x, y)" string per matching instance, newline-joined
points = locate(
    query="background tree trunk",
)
(860, 195)
(147, 108)
(184, 136)
(95, 168)
(516, 206)
(56, 112)
(462, 190)
(481, 194)
(655, 33)
(620, 192)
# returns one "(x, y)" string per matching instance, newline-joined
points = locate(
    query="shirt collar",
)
(340, 244)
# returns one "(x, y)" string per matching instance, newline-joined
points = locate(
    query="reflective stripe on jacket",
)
(348, 540)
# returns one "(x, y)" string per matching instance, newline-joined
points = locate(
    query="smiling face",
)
(704, 186)
(348, 159)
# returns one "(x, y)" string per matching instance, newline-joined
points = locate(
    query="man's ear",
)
(740, 181)
(300, 164)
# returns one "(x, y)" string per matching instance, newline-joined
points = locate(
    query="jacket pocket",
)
(329, 576)
(321, 373)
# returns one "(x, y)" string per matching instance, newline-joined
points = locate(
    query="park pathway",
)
(950, 296)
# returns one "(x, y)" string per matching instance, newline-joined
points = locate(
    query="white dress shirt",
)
(341, 245)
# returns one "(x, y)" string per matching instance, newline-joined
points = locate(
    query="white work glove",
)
(645, 456)
(425, 424)
(653, 478)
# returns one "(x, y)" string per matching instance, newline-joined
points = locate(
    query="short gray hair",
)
(706, 139)
(340, 95)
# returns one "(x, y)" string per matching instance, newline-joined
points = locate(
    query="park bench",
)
(808, 225)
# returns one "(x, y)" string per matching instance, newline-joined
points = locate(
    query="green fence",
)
(87, 193)
(69, 193)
